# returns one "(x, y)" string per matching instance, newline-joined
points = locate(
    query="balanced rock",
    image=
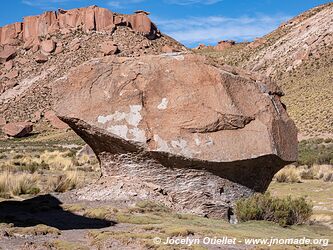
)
(17, 129)
(176, 129)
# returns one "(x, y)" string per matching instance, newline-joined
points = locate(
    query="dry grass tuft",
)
(65, 182)
(12, 184)
(57, 160)
(289, 174)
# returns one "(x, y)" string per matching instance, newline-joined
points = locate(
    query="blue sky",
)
(189, 21)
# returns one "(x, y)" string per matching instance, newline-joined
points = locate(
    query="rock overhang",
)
(236, 126)
(176, 121)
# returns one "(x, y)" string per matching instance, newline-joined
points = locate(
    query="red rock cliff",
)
(90, 18)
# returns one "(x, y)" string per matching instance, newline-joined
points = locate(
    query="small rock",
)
(22, 61)
(48, 46)
(2, 88)
(11, 84)
(58, 50)
(28, 44)
(12, 74)
(108, 48)
(8, 53)
(35, 48)
(41, 58)
(17, 129)
(37, 116)
(2, 121)
(9, 65)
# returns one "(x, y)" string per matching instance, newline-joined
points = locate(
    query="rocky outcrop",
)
(221, 45)
(224, 44)
(17, 129)
(48, 45)
(177, 129)
(90, 18)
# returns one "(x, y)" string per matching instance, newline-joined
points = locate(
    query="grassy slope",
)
(308, 89)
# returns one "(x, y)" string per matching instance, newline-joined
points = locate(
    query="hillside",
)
(43, 48)
(298, 56)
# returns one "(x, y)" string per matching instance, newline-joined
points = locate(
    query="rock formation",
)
(221, 45)
(177, 129)
(90, 18)
(43, 48)
(17, 129)
(224, 44)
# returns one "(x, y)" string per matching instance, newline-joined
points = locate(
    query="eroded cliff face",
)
(174, 128)
(90, 18)
(45, 47)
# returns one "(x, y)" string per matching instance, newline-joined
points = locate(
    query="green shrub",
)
(284, 211)
(313, 151)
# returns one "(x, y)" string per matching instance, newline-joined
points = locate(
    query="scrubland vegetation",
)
(42, 168)
(299, 194)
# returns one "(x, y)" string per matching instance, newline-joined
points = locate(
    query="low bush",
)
(315, 151)
(284, 211)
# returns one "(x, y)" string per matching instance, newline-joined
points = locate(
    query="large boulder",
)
(177, 129)
(17, 129)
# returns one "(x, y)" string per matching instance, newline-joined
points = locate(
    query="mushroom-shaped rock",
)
(177, 129)
(17, 129)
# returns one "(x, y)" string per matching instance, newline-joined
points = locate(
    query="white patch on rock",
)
(161, 144)
(197, 140)
(138, 134)
(181, 145)
(104, 119)
(134, 117)
(163, 104)
(120, 130)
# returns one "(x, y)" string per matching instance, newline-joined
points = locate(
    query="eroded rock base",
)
(200, 190)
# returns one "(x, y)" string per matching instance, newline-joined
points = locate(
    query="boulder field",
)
(175, 128)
